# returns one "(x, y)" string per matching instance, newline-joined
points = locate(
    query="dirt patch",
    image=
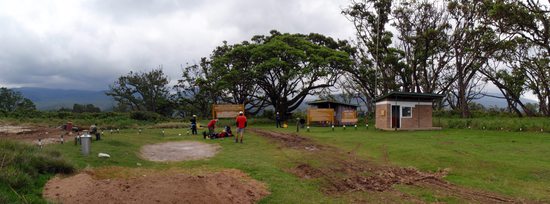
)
(228, 186)
(31, 134)
(343, 172)
(290, 140)
(383, 179)
(179, 151)
(12, 129)
(306, 171)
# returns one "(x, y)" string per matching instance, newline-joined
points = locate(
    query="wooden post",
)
(308, 117)
(213, 111)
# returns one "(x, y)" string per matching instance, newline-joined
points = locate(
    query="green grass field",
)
(509, 163)
(258, 157)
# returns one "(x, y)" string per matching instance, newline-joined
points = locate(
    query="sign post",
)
(226, 110)
(349, 117)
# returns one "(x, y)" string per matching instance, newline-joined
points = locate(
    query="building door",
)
(395, 117)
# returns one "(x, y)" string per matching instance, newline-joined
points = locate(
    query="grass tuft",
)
(25, 168)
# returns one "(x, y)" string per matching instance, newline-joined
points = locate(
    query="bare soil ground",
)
(228, 186)
(179, 151)
(343, 172)
(31, 134)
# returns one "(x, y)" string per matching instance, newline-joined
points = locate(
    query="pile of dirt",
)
(31, 134)
(179, 151)
(383, 179)
(343, 172)
(228, 186)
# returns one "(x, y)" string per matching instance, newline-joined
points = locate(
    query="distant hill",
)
(499, 102)
(54, 99)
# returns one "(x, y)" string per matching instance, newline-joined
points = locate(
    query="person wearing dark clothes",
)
(194, 125)
(93, 131)
(228, 130)
(302, 122)
(278, 120)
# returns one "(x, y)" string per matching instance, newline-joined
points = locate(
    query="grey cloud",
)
(100, 40)
(123, 11)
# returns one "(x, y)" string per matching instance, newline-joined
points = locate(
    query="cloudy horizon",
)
(88, 44)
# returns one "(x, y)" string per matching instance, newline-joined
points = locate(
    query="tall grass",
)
(24, 169)
(535, 124)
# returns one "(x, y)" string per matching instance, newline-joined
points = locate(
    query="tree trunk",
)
(462, 98)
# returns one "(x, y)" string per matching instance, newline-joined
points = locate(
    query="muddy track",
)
(343, 172)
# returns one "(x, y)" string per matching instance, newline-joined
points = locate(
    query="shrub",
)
(21, 165)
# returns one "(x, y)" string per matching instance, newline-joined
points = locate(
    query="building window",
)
(406, 112)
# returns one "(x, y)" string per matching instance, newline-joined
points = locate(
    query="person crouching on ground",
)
(194, 125)
(241, 124)
(212, 126)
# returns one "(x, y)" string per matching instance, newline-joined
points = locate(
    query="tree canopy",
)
(279, 69)
(143, 91)
(11, 101)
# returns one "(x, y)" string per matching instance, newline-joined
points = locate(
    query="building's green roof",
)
(329, 101)
(410, 95)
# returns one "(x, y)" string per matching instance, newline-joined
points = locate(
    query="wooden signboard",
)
(320, 115)
(226, 110)
(349, 116)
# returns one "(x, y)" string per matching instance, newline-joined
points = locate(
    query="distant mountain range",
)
(489, 102)
(54, 99)
(486, 101)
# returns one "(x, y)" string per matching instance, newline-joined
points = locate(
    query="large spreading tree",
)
(143, 91)
(289, 67)
(277, 70)
(234, 65)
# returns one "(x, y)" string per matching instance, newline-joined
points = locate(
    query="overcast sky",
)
(88, 44)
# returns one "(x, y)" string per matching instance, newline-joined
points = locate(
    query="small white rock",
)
(103, 155)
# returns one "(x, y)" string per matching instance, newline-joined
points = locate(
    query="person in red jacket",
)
(211, 126)
(241, 124)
